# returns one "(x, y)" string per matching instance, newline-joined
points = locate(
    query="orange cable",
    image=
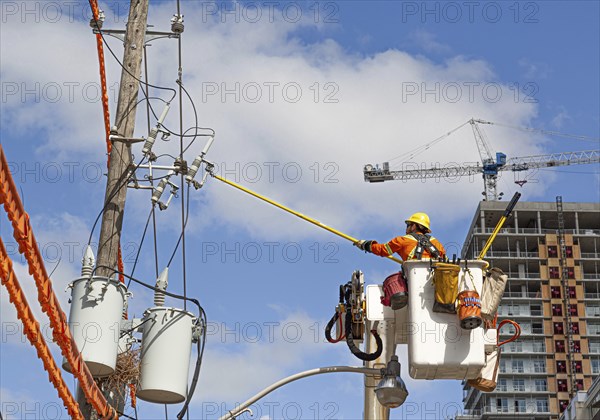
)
(31, 329)
(49, 303)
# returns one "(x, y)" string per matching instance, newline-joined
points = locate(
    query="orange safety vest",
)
(405, 247)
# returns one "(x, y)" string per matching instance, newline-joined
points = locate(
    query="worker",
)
(416, 244)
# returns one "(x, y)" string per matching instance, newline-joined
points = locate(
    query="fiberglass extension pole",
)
(295, 213)
(507, 212)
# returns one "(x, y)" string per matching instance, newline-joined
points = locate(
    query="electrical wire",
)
(121, 64)
(126, 416)
(202, 318)
(183, 194)
(137, 256)
(147, 84)
(184, 226)
(111, 197)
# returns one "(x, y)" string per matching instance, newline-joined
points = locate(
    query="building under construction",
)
(551, 253)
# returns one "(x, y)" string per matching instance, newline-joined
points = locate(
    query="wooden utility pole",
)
(120, 156)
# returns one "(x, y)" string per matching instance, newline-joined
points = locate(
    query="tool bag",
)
(491, 293)
(469, 305)
(445, 282)
(487, 379)
(395, 291)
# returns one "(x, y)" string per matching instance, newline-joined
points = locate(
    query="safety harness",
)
(423, 243)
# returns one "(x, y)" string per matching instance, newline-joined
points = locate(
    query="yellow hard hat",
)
(420, 219)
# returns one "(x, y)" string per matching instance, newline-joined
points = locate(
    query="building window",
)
(558, 328)
(538, 346)
(572, 292)
(561, 385)
(518, 384)
(555, 292)
(501, 385)
(594, 347)
(517, 366)
(542, 405)
(502, 366)
(502, 405)
(561, 366)
(556, 309)
(541, 385)
(575, 327)
(520, 405)
(563, 404)
(536, 310)
(576, 346)
(513, 310)
(552, 251)
(569, 251)
(573, 309)
(578, 366)
(554, 273)
(516, 347)
(595, 365)
(559, 346)
(571, 272)
(537, 328)
(579, 384)
(539, 366)
(592, 310)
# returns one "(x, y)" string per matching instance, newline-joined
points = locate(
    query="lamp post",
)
(392, 391)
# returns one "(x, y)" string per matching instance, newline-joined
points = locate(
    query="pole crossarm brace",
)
(231, 414)
(150, 35)
(23, 234)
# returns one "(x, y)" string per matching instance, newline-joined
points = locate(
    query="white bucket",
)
(165, 357)
(438, 348)
(95, 322)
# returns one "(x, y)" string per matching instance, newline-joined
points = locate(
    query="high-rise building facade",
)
(553, 292)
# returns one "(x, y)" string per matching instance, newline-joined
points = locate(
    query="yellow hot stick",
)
(300, 215)
(507, 212)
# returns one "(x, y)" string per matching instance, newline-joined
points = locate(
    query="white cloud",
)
(244, 363)
(534, 70)
(245, 79)
(427, 41)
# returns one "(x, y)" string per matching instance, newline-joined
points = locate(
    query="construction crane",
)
(489, 167)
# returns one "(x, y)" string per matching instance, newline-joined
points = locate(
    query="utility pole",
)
(120, 155)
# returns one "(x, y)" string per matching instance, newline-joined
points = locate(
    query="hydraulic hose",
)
(329, 327)
(368, 357)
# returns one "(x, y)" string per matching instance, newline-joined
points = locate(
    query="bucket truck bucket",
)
(438, 348)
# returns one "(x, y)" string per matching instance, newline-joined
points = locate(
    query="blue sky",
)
(301, 95)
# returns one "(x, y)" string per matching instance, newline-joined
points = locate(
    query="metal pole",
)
(233, 413)
(120, 156)
(386, 329)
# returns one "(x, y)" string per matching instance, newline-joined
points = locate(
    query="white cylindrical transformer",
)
(95, 322)
(165, 358)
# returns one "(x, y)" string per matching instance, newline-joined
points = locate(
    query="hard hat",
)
(420, 219)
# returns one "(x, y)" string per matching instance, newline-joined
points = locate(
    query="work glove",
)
(364, 245)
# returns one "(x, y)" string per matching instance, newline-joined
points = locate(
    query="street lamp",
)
(391, 391)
